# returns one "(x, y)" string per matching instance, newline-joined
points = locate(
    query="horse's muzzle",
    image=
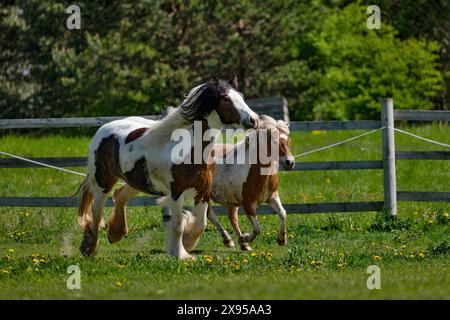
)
(250, 123)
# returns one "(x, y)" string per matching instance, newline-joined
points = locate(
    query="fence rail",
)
(390, 156)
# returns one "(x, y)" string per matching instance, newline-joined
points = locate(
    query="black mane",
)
(200, 103)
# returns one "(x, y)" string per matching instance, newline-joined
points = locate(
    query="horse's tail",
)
(86, 197)
(162, 201)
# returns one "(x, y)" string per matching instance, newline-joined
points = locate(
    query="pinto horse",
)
(138, 151)
(244, 185)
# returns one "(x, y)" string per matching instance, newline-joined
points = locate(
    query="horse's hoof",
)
(282, 241)
(88, 251)
(229, 243)
(114, 237)
(247, 237)
(187, 257)
(89, 245)
(245, 247)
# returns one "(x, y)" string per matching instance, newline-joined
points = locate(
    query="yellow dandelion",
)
(445, 215)
(316, 132)
(403, 247)
(430, 221)
(5, 271)
(254, 254)
(11, 250)
(377, 257)
(422, 255)
(118, 284)
(245, 261)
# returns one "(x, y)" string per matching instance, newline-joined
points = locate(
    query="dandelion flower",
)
(11, 250)
(377, 257)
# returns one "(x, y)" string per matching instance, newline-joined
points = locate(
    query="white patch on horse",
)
(230, 178)
(240, 104)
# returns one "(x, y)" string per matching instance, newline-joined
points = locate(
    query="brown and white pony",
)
(138, 151)
(244, 185)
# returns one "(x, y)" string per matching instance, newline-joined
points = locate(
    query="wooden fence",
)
(387, 164)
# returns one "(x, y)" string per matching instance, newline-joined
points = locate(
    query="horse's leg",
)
(276, 205)
(117, 227)
(176, 228)
(227, 241)
(250, 211)
(234, 220)
(89, 245)
(195, 225)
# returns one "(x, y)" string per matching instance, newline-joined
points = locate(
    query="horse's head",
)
(220, 103)
(286, 158)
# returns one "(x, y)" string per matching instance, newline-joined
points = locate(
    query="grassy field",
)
(326, 257)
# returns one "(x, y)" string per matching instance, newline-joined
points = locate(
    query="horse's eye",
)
(226, 100)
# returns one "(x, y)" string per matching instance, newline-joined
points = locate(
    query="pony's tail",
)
(162, 202)
(85, 200)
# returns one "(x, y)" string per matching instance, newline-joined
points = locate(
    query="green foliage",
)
(386, 223)
(134, 57)
(361, 66)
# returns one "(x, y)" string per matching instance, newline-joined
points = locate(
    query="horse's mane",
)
(197, 105)
(201, 100)
(267, 122)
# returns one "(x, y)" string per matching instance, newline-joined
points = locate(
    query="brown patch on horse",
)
(197, 176)
(138, 178)
(107, 166)
(285, 147)
(133, 135)
(227, 112)
(258, 188)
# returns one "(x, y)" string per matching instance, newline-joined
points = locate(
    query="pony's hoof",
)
(229, 243)
(282, 240)
(245, 247)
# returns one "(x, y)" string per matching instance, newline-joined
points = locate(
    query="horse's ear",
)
(234, 81)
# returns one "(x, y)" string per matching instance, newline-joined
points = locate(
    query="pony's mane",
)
(267, 122)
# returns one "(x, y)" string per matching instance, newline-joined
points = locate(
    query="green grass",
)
(326, 257)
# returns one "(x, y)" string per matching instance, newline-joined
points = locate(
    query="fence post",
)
(387, 135)
(166, 214)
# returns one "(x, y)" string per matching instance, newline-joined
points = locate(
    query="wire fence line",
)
(296, 156)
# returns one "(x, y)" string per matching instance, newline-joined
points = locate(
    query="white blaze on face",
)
(244, 110)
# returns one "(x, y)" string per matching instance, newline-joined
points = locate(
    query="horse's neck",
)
(161, 131)
(209, 142)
